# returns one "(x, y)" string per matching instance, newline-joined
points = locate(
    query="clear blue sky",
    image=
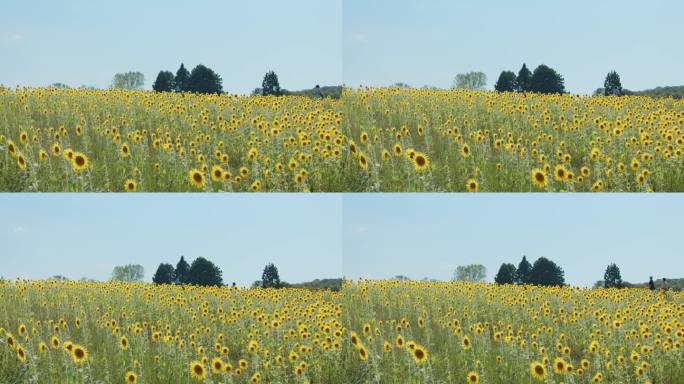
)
(85, 42)
(86, 235)
(429, 235)
(429, 42)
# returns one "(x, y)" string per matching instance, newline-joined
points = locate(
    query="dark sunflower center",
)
(198, 369)
(539, 370)
(80, 160)
(420, 354)
(539, 176)
(79, 353)
(420, 160)
(197, 177)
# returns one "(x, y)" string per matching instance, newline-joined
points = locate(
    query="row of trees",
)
(543, 272)
(204, 80)
(201, 79)
(544, 79)
(200, 272)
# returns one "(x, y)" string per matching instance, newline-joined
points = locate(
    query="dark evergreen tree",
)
(180, 276)
(546, 272)
(181, 79)
(164, 274)
(506, 82)
(204, 272)
(546, 80)
(523, 79)
(164, 82)
(506, 274)
(522, 274)
(204, 80)
(270, 85)
(612, 85)
(612, 277)
(270, 277)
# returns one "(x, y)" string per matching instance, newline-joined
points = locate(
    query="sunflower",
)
(363, 162)
(21, 354)
(217, 173)
(197, 370)
(244, 171)
(399, 341)
(217, 365)
(242, 363)
(539, 177)
(465, 150)
(256, 185)
(385, 155)
(23, 137)
(131, 377)
(79, 161)
(560, 173)
(559, 365)
(465, 342)
(538, 371)
(54, 342)
(11, 147)
(130, 185)
(56, 150)
(363, 354)
(472, 185)
(79, 354)
(123, 343)
(421, 161)
(420, 354)
(196, 178)
(397, 150)
(42, 347)
(125, 150)
(21, 161)
(473, 377)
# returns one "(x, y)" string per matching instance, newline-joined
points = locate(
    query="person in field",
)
(318, 94)
(651, 284)
(663, 285)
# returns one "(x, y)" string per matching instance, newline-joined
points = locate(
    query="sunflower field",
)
(372, 139)
(370, 332)
(79, 332)
(459, 332)
(462, 140)
(115, 140)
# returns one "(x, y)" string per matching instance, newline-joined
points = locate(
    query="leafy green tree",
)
(546, 80)
(129, 272)
(204, 80)
(523, 79)
(612, 85)
(128, 80)
(164, 82)
(546, 272)
(612, 277)
(522, 274)
(164, 274)
(270, 85)
(204, 272)
(506, 82)
(471, 272)
(471, 80)
(506, 274)
(180, 276)
(180, 83)
(270, 277)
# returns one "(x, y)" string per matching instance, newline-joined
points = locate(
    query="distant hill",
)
(676, 92)
(331, 284)
(332, 91)
(673, 284)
